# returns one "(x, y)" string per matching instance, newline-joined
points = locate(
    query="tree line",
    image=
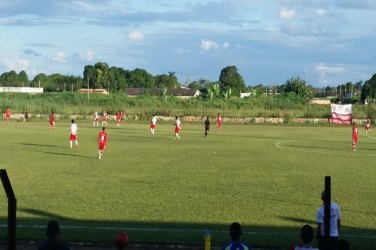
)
(230, 83)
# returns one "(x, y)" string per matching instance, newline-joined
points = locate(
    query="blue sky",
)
(325, 42)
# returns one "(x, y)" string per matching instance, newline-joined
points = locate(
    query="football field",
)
(268, 178)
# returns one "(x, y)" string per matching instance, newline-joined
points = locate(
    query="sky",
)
(324, 42)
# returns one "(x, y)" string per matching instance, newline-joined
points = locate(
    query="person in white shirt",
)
(335, 224)
(73, 134)
(152, 124)
(177, 128)
(95, 119)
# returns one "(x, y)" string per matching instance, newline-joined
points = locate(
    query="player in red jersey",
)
(118, 118)
(219, 122)
(368, 126)
(7, 115)
(52, 120)
(354, 136)
(102, 139)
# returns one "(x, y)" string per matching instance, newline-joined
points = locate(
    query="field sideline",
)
(268, 178)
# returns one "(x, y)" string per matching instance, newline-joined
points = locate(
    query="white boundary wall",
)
(21, 90)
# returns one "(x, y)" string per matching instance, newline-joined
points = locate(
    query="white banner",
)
(341, 114)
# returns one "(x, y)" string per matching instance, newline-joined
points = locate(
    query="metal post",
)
(327, 212)
(12, 208)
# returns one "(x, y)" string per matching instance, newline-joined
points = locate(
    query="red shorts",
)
(355, 139)
(118, 120)
(95, 119)
(102, 145)
(219, 124)
(73, 137)
(177, 130)
(7, 117)
(52, 123)
(152, 126)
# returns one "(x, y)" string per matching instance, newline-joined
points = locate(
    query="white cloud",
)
(135, 36)
(320, 12)
(287, 14)
(60, 57)
(325, 71)
(226, 45)
(87, 56)
(15, 63)
(85, 6)
(207, 45)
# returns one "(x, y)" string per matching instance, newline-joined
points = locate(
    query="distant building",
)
(29, 90)
(94, 91)
(242, 95)
(180, 93)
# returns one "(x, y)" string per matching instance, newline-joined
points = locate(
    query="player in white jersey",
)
(95, 119)
(73, 134)
(177, 128)
(152, 124)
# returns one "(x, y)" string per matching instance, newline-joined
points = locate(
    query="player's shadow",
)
(64, 154)
(39, 145)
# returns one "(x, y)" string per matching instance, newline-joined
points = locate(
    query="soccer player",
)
(354, 136)
(95, 119)
(152, 124)
(7, 115)
(368, 126)
(104, 118)
(118, 118)
(52, 121)
(177, 128)
(102, 139)
(207, 126)
(73, 134)
(219, 122)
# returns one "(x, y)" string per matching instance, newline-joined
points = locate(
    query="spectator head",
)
(307, 234)
(104, 128)
(343, 245)
(235, 231)
(121, 239)
(53, 229)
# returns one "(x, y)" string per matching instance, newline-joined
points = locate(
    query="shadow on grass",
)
(72, 155)
(163, 232)
(39, 145)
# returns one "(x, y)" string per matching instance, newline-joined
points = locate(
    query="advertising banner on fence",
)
(341, 114)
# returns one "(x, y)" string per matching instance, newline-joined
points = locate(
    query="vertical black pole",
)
(327, 200)
(12, 207)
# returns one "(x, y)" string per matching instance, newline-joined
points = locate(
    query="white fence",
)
(21, 90)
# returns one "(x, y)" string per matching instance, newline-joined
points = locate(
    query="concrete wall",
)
(21, 90)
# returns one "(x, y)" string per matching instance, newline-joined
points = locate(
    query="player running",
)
(95, 119)
(118, 118)
(368, 126)
(354, 136)
(7, 115)
(52, 121)
(219, 122)
(152, 124)
(207, 126)
(177, 128)
(73, 134)
(102, 139)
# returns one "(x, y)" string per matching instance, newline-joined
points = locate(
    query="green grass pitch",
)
(268, 178)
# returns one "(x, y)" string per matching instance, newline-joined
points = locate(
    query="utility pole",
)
(88, 90)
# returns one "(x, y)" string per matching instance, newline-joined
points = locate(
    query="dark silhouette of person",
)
(53, 241)
(236, 243)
